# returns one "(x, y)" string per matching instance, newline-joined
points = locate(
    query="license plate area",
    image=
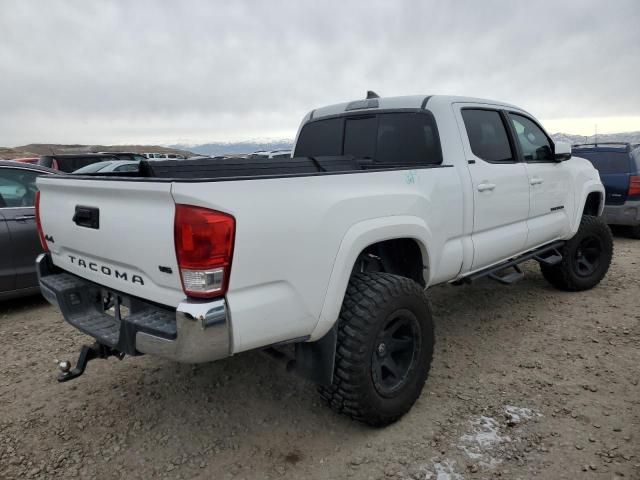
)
(115, 305)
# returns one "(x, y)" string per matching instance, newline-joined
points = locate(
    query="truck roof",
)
(409, 101)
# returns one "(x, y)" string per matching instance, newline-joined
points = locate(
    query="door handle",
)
(536, 181)
(486, 187)
(24, 218)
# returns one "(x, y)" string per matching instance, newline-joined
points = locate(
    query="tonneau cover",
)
(249, 167)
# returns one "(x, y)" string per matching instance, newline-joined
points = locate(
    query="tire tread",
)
(366, 294)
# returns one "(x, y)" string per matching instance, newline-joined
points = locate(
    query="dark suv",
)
(619, 167)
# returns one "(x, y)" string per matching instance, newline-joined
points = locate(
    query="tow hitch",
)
(88, 353)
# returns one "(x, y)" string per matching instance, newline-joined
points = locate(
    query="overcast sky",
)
(198, 71)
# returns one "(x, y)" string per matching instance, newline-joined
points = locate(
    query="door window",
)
(17, 187)
(487, 135)
(535, 145)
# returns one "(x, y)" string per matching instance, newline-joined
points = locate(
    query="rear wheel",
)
(585, 258)
(384, 349)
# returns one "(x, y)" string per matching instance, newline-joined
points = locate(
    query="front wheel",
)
(585, 258)
(384, 349)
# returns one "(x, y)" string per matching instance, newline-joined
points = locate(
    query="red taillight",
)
(634, 186)
(43, 242)
(204, 247)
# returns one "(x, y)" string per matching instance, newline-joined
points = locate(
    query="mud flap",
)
(315, 360)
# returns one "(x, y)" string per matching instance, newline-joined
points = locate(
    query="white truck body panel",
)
(286, 248)
(297, 238)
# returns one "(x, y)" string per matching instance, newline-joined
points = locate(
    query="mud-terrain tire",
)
(384, 349)
(585, 258)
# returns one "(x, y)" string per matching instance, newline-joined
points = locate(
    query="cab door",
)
(18, 188)
(7, 271)
(550, 186)
(500, 184)
(25, 244)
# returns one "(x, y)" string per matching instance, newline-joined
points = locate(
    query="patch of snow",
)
(443, 471)
(486, 433)
(517, 414)
(484, 437)
(481, 443)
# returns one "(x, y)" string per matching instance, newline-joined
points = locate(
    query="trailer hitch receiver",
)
(88, 353)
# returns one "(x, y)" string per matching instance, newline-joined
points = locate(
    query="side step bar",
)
(548, 255)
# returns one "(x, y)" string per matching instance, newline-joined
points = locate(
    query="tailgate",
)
(616, 186)
(115, 233)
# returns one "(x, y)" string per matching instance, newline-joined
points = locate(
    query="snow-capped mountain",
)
(231, 148)
(630, 137)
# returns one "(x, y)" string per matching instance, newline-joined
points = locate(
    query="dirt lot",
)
(526, 382)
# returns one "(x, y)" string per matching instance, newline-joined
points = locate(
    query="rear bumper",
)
(626, 214)
(195, 332)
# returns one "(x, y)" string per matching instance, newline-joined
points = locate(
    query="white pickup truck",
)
(330, 250)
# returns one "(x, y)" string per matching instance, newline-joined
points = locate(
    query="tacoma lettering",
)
(105, 270)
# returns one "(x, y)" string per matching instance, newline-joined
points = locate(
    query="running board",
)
(509, 278)
(547, 255)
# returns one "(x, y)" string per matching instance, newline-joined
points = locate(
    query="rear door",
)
(551, 190)
(118, 234)
(19, 190)
(500, 185)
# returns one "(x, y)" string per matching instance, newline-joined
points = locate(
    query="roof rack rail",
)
(603, 144)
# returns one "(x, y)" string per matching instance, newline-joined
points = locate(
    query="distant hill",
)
(234, 148)
(37, 149)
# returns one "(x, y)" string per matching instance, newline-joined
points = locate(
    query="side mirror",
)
(562, 151)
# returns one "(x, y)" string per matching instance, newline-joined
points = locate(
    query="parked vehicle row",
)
(285, 153)
(163, 156)
(330, 251)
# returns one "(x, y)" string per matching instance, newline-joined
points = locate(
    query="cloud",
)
(121, 71)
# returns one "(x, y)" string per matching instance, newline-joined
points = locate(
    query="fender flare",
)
(591, 186)
(358, 237)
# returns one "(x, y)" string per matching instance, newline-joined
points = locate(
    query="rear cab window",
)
(320, 138)
(390, 139)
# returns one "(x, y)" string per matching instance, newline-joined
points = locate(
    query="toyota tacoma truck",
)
(330, 251)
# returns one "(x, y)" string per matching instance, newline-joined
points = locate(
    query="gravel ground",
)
(527, 382)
